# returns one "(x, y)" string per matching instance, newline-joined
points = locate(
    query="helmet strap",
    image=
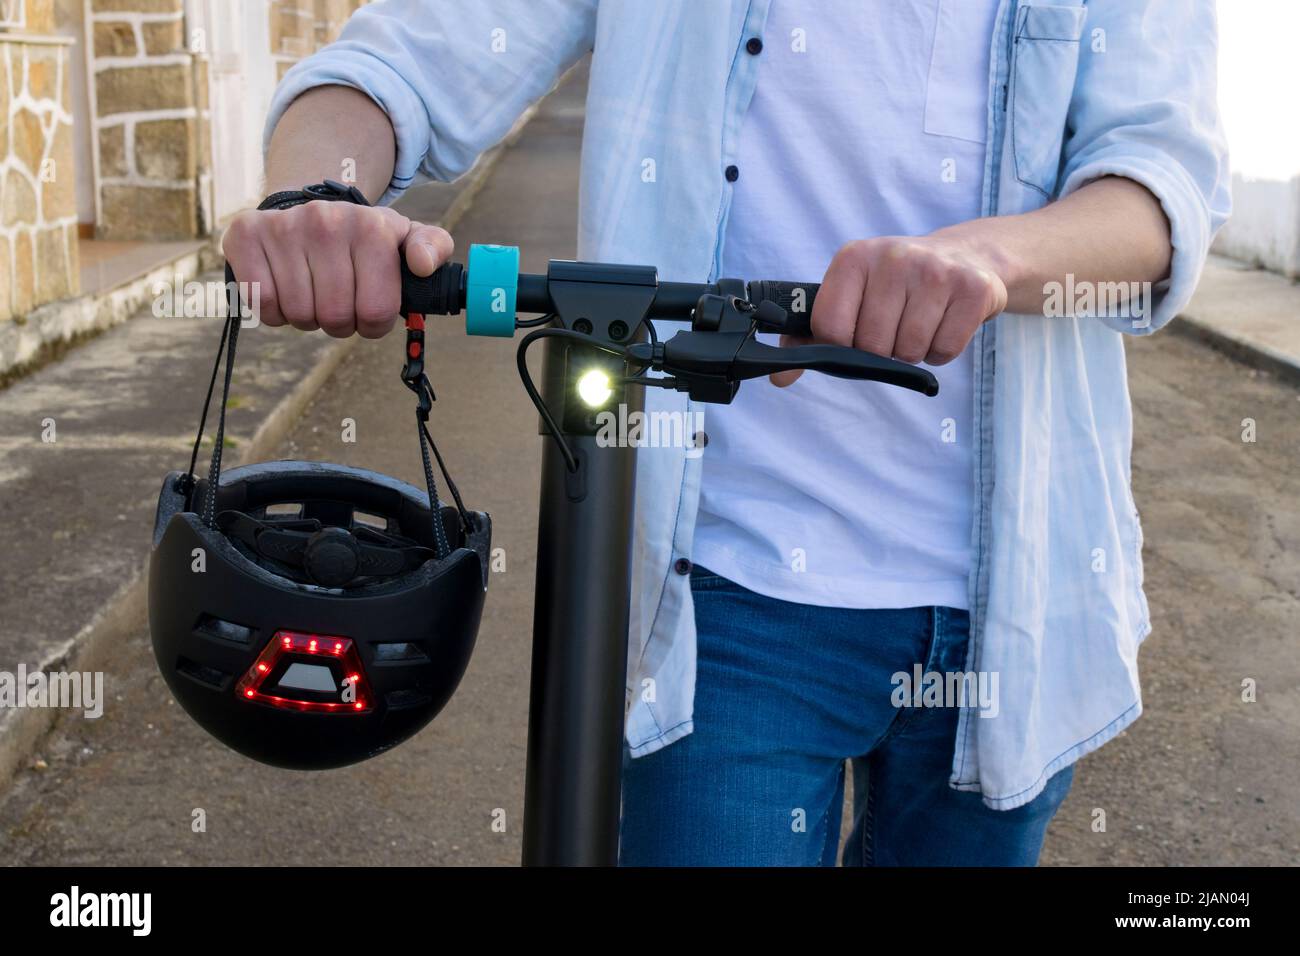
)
(229, 340)
(413, 375)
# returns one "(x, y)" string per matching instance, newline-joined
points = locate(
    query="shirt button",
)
(683, 566)
(732, 173)
(754, 46)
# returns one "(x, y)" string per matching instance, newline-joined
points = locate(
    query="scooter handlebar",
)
(440, 294)
(796, 298)
(444, 294)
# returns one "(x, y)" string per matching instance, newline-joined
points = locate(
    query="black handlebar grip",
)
(795, 297)
(440, 294)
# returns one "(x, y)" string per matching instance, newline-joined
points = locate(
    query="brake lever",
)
(754, 359)
(711, 365)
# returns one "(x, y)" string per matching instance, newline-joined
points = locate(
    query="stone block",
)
(22, 276)
(137, 6)
(43, 72)
(4, 113)
(130, 89)
(52, 279)
(149, 213)
(166, 149)
(6, 290)
(165, 37)
(40, 16)
(115, 38)
(112, 151)
(29, 140)
(59, 179)
(19, 199)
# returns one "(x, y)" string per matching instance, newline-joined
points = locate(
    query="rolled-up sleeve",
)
(1145, 107)
(452, 75)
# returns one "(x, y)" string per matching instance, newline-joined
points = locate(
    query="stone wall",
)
(300, 27)
(38, 202)
(151, 129)
(153, 125)
(27, 16)
(147, 97)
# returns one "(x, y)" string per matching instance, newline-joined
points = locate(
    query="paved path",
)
(1202, 778)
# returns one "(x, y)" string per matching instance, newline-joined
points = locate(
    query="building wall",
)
(38, 200)
(1259, 74)
(145, 96)
(152, 111)
(70, 22)
(300, 27)
(1265, 226)
(147, 72)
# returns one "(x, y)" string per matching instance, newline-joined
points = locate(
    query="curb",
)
(23, 729)
(1253, 354)
(87, 650)
(40, 337)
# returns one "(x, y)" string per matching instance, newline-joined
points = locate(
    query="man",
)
(969, 176)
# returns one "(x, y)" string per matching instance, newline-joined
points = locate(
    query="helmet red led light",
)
(270, 679)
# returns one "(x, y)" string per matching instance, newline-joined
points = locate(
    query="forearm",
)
(332, 132)
(1111, 230)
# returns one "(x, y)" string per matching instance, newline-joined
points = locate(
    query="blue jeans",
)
(785, 695)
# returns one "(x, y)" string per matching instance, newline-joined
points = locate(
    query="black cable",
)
(650, 328)
(442, 548)
(534, 323)
(207, 401)
(648, 382)
(219, 440)
(233, 313)
(521, 359)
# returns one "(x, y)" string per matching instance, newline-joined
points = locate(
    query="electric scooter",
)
(602, 351)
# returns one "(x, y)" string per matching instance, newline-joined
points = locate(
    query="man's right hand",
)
(331, 265)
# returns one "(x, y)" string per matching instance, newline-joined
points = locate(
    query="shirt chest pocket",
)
(1045, 59)
(956, 89)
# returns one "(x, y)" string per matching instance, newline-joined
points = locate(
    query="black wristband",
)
(328, 191)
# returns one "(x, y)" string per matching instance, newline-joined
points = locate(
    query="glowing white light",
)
(594, 388)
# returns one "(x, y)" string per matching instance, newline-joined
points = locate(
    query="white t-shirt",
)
(868, 119)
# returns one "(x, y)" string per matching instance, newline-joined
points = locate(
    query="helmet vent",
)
(195, 671)
(399, 653)
(210, 626)
(374, 521)
(397, 699)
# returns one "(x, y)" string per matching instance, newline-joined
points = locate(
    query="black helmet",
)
(305, 636)
(312, 615)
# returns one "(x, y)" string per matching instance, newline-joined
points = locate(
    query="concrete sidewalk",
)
(124, 787)
(86, 440)
(84, 445)
(1247, 313)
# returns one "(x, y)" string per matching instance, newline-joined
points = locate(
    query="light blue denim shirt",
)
(1076, 91)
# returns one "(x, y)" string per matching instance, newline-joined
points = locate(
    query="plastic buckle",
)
(330, 191)
(413, 371)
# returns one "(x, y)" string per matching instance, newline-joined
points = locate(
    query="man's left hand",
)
(917, 299)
